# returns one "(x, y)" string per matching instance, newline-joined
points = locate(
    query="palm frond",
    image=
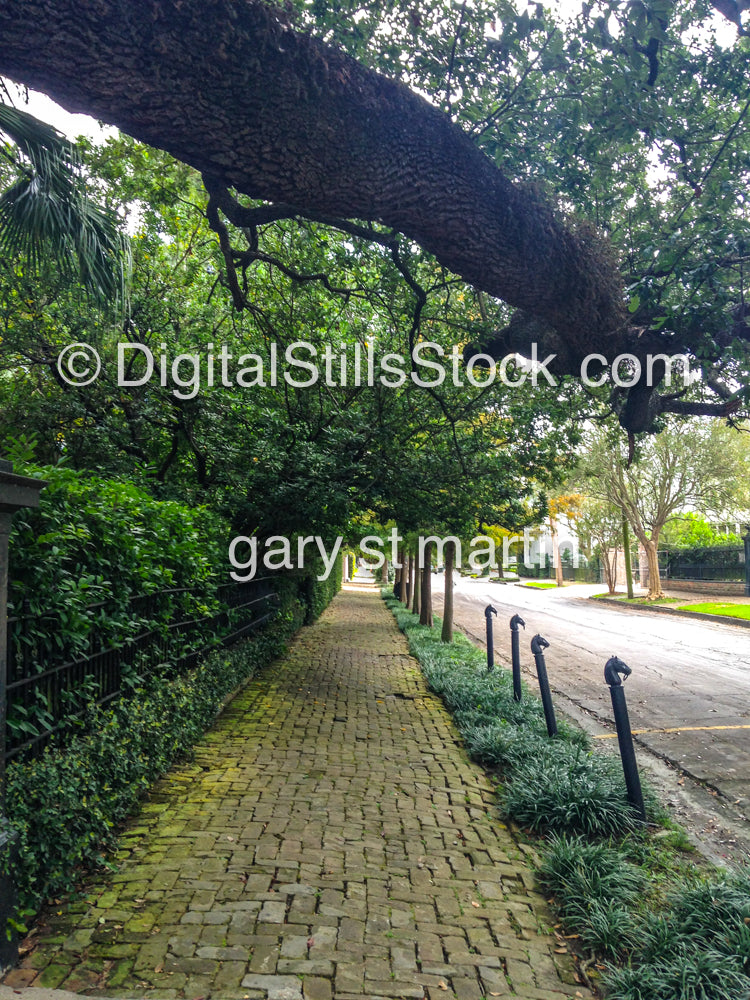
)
(48, 210)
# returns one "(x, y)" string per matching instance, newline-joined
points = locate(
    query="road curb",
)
(702, 615)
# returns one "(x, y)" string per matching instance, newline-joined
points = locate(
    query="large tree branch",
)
(230, 88)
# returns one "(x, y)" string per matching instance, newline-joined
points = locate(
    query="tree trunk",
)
(425, 602)
(409, 579)
(384, 573)
(628, 565)
(402, 558)
(559, 580)
(609, 562)
(450, 558)
(417, 595)
(274, 113)
(654, 577)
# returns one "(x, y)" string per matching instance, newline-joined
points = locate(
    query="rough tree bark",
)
(556, 561)
(230, 88)
(446, 634)
(416, 604)
(654, 575)
(425, 602)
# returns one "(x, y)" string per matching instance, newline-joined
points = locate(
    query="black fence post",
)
(538, 645)
(489, 611)
(612, 670)
(515, 654)
(15, 492)
(747, 562)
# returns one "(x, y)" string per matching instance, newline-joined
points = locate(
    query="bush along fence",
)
(122, 648)
(54, 675)
(650, 924)
(66, 802)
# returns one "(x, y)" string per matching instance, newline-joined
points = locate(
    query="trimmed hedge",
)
(66, 804)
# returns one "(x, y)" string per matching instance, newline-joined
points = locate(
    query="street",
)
(688, 676)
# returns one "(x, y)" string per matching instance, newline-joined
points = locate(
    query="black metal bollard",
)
(515, 654)
(489, 611)
(538, 645)
(612, 670)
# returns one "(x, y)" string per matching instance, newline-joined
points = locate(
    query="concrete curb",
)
(702, 615)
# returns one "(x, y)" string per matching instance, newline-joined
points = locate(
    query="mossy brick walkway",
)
(330, 841)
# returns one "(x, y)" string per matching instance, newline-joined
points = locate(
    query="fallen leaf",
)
(473, 903)
(310, 942)
(561, 951)
(442, 985)
(159, 968)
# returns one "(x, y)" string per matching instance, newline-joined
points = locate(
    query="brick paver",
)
(330, 841)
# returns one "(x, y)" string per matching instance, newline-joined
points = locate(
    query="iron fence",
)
(52, 683)
(717, 564)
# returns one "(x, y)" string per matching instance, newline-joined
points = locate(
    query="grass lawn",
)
(730, 610)
(540, 586)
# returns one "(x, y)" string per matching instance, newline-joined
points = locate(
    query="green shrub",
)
(93, 539)
(573, 869)
(66, 804)
(595, 887)
(716, 913)
(696, 975)
(563, 789)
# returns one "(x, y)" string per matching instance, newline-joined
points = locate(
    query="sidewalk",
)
(330, 841)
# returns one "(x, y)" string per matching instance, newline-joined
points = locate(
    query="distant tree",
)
(567, 505)
(691, 531)
(601, 521)
(706, 466)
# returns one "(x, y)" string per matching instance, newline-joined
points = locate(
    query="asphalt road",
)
(688, 676)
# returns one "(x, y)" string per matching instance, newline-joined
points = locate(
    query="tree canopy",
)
(592, 176)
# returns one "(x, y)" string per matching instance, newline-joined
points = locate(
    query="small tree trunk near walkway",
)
(417, 595)
(609, 564)
(384, 573)
(654, 577)
(425, 612)
(410, 579)
(556, 552)
(628, 566)
(450, 558)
